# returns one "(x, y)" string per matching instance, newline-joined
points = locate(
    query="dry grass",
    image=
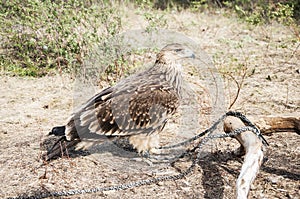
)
(31, 107)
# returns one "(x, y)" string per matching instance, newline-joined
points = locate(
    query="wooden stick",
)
(253, 149)
(273, 124)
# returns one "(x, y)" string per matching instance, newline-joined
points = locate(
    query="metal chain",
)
(247, 122)
(139, 183)
(209, 130)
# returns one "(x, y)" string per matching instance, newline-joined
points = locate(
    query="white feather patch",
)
(94, 126)
(144, 142)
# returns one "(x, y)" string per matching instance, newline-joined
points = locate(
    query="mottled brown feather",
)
(141, 103)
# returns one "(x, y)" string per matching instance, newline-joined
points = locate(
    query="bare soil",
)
(30, 107)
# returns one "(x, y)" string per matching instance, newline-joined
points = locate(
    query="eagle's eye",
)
(178, 50)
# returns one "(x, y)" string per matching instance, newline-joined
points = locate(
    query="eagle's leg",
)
(145, 144)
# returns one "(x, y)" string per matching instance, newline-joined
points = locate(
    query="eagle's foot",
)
(145, 143)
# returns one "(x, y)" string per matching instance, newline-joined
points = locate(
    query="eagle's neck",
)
(172, 73)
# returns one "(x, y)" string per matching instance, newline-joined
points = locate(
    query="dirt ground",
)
(30, 107)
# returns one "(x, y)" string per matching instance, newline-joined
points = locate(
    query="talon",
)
(146, 154)
(155, 151)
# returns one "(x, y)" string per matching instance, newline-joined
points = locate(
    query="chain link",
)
(247, 122)
(249, 127)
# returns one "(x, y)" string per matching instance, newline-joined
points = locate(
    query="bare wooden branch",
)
(252, 146)
(272, 124)
(253, 155)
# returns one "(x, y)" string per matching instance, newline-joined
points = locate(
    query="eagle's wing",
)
(142, 110)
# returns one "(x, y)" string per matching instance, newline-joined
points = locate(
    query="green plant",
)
(154, 18)
(283, 13)
(155, 21)
(199, 5)
(45, 36)
(257, 12)
(235, 70)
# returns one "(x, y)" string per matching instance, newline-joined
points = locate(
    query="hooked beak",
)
(189, 54)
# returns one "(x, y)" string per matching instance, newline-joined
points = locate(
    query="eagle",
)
(137, 107)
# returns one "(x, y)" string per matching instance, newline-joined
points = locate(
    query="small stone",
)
(273, 179)
(46, 106)
(109, 192)
(187, 189)
(45, 47)
(160, 184)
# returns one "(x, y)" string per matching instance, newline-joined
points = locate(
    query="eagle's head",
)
(172, 53)
(168, 64)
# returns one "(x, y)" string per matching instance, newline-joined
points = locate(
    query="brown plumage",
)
(138, 106)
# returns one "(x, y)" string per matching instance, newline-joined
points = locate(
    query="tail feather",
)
(60, 148)
(57, 145)
(58, 131)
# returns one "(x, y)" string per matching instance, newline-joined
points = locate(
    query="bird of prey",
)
(137, 107)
